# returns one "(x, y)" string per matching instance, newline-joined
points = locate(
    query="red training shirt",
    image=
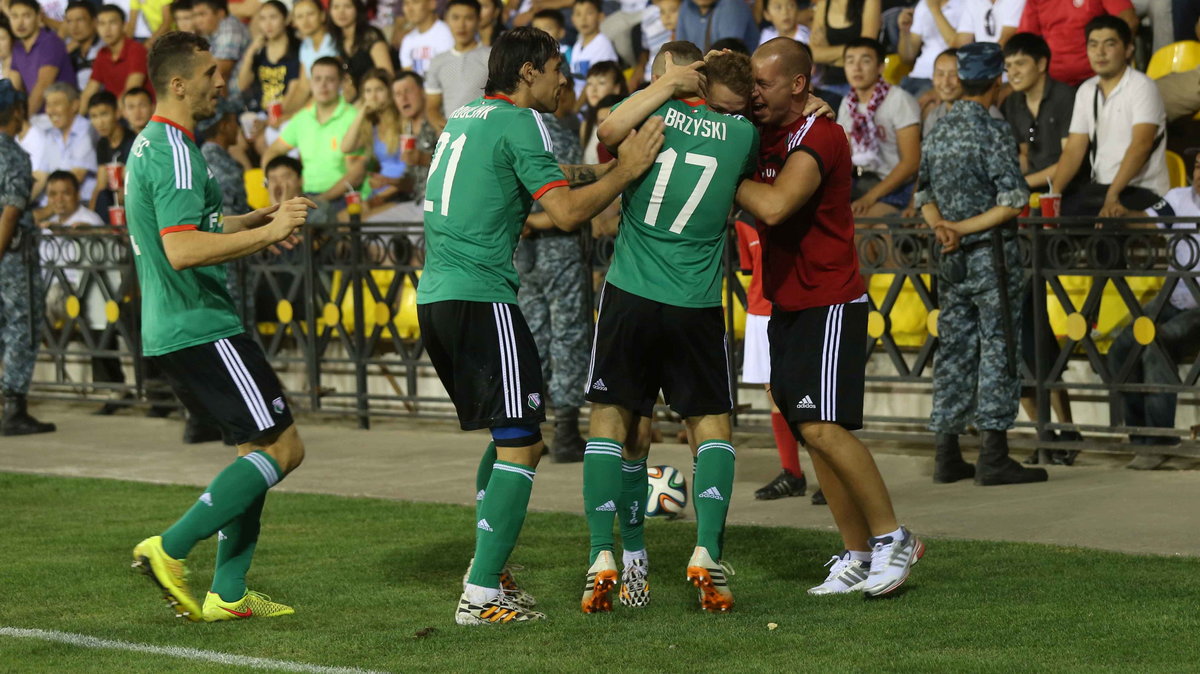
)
(112, 74)
(750, 258)
(1061, 23)
(810, 260)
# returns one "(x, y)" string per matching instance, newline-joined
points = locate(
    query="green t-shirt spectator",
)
(320, 145)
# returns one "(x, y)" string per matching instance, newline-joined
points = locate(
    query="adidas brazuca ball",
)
(666, 495)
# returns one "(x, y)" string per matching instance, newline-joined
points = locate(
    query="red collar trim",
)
(502, 97)
(694, 102)
(164, 120)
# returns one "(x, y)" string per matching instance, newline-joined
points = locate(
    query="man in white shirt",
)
(926, 31)
(69, 144)
(62, 191)
(1177, 330)
(429, 36)
(988, 21)
(457, 77)
(1120, 123)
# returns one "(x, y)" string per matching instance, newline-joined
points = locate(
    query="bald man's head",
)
(782, 71)
(794, 57)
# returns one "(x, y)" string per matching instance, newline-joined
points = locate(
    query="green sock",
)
(482, 475)
(235, 549)
(601, 491)
(631, 506)
(228, 496)
(501, 514)
(712, 486)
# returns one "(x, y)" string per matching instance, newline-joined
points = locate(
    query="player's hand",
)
(289, 216)
(640, 148)
(685, 80)
(261, 216)
(817, 106)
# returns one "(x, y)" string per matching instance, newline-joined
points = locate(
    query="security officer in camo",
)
(22, 308)
(970, 191)
(553, 298)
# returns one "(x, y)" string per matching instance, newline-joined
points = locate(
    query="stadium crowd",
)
(343, 101)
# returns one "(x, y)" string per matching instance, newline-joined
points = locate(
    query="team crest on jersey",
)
(535, 401)
(277, 405)
(140, 145)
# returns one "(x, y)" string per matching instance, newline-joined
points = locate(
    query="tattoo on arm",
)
(579, 174)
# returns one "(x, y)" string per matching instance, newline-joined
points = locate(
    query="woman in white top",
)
(308, 18)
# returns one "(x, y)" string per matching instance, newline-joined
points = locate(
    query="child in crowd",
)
(181, 16)
(592, 47)
(785, 17)
(604, 79)
(658, 28)
(136, 108)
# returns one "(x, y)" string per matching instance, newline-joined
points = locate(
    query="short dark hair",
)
(31, 4)
(949, 51)
(286, 162)
(731, 70)
(81, 4)
(680, 52)
(410, 75)
(331, 61)
(214, 4)
(65, 176)
(594, 3)
(138, 91)
(514, 49)
(976, 87)
(552, 14)
(112, 8)
(732, 44)
(181, 5)
(1029, 44)
(473, 4)
(866, 43)
(1110, 22)
(102, 98)
(171, 56)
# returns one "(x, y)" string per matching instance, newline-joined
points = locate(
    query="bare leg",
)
(855, 468)
(851, 523)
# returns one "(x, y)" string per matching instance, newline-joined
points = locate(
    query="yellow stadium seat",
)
(894, 68)
(1177, 170)
(256, 189)
(739, 311)
(1174, 58)
(908, 316)
(405, 323)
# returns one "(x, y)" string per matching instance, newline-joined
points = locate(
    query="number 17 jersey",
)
(671, 242)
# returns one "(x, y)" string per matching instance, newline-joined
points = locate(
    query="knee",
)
(820, 436)
(287, 450)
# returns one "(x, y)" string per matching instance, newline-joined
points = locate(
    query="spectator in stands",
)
(1177, 330)
(137, 106)
(1062, 23)
(360, 45)
(988, 21)
(925, 33)
(82, 45)
(228, 38)
(854, 19)
(38, 53)
(1038, 110)
(604, 79)
(703, 22)
(181, 15)
(946, 86)
(592, 46)
(317, 132)
(1118, 120)
(62, 196)
(113, 147)
(658, 28)
(69, 144)
(456, 77)
(552, 22)
(224, 149)
(271, 74)
(284, 179)
(121, 64)
(883, 124)
(618, 28)
(408, 93)
(491, 21)
(158, 15)
(33, 140)
(7, 40)
(376, 130)
(308, 17)
(784, 16)
(427, 37)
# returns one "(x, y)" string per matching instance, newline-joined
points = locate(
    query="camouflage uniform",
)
(21, 296)
(553, 295)
(968, 165)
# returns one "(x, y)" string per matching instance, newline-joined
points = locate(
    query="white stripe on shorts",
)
(510, 373)
(595, 335)
(245, 384)
(829, 362)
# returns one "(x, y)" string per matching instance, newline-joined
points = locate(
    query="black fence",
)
(337, 317)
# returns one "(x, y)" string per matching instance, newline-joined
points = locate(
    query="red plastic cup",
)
(408, 142)
(116, 174)
(116, 216)
(1050, 205)
(274, 113)
(353, 203)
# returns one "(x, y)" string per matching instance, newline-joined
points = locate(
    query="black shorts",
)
(819, 363)
(642, 346)
(487, 360)
(229, 383)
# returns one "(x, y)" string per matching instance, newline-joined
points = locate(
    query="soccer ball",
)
(666, 495)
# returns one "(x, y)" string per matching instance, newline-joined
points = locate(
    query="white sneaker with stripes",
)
(891, 561)
(846, 575)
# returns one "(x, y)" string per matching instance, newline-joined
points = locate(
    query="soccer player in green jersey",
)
(661, 327)
(492, 160)
(191, 329)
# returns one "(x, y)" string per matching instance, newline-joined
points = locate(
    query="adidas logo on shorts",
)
(599, 385)
(806, 404)
(479, 495)
(608, 507)
(713, 493)
(483, 524)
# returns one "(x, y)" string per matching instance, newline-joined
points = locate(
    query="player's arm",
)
(188, 247)
(676, 81)
(773, 204)
(570, 208)
(579, 175)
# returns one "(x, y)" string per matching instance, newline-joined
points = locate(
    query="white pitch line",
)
(85, 641)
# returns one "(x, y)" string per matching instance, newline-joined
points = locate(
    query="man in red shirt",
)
(121, 63)
(1061, 23)
(818, 328)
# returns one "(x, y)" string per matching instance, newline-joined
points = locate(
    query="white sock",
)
(863, 556)
(897, 535)
(478, 594)
(627, 557)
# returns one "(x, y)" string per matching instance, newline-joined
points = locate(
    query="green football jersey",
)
(491, 162)
(169, 188)
(671, 241)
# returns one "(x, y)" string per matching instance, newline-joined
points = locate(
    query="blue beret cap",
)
(980, 61)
